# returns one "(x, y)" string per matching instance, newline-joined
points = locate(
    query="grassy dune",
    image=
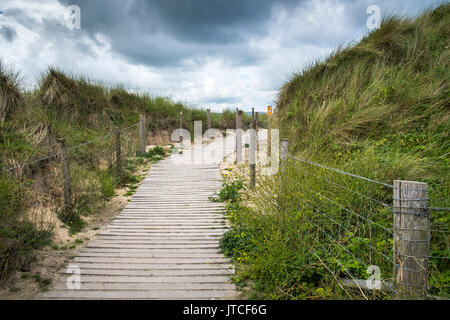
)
(379, 109)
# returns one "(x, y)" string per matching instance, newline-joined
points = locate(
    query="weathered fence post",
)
(256, 129)
(269, 138)
(284, 153)
(239, 136)
(118, 154)
(181, 125)
(253, 146)
(411, 237)
(181, 120)
(66, 173)
(208, 112)
(142, 133)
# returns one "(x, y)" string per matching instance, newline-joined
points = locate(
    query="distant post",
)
(411, 237)
(181, 120)
(284, 153)
(257, 121)
(66, 173)
(239, 136)
(142, 134)
(118, 154)
(181, 124)
(253, 146)
(269, 134)
(208, 112)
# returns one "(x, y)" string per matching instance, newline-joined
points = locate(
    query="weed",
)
(230, 191)
(43, 283)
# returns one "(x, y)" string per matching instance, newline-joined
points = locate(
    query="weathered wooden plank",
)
(134, 294)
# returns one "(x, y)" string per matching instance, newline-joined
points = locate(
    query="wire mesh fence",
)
(350, 219)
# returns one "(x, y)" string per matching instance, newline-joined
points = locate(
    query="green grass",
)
(18, 237)
(43, 283)
(378, 109)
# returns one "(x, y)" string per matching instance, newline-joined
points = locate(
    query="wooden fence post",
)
(253, 146)
(66, 173)
(118, 155)
(269, 138)
(284, 153)
(411, 237)
(257, 121)
(181, 120)
(208, 112)
(181, 125)
(142, 133)
(239, 136)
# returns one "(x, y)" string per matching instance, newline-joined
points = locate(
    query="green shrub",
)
(230, 190)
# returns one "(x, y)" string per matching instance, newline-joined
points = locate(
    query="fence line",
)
(345, 188)
(76, 147)
(346, 229)
(404, 205)
(339, 171)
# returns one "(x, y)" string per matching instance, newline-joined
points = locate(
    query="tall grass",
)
(378, 109)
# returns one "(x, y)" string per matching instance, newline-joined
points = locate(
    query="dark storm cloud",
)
(8, 33)
(166, 33)
(212, 21)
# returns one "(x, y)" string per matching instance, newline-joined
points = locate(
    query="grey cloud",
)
(166, 33)
(22, 18)
(8, 33)
(177, 38)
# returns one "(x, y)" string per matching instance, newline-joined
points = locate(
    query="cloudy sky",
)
(206, 53)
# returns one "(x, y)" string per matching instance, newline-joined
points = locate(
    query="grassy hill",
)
(380, 109)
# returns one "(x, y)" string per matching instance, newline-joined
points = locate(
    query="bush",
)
(108, 183)
(230, 190)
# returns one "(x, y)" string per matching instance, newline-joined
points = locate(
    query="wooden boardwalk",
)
(163, 245)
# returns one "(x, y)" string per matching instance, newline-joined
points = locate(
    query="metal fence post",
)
(411, 237)
(66, 173)
(142, 133)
